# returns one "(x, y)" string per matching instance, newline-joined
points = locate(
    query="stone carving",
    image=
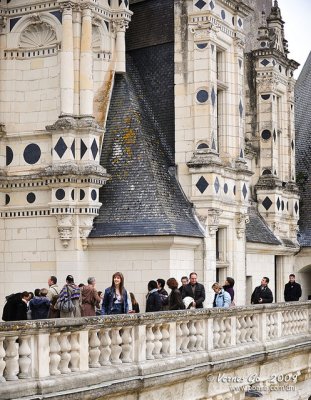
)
(105, 347)
(94, 351)
(37, 35)
(204, 30)
(213, 220)
(54, 354)
(11, 359)
(241, 220)
(65, 228)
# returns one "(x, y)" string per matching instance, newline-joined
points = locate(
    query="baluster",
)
(24, 352)
(216, 333)
(65, 355)
(75, 352)
(178, 338)
(11, 359)
(94, 351)
(192, 336)
(105, 347)
(228, 333)
(200, 331)
(222, 333)
(165, 340)
(54, 354)
(116, 349)
(127, 345)
(2, 362)
(157, 342)
(185, 337)
(149, 343)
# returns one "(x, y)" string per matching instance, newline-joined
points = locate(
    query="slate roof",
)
(303, 150)
(143, 196)
(257, 231)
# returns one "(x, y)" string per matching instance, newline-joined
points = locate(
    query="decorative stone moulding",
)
(85, 227)
(65, 228)
(241, 220)
(213, 221)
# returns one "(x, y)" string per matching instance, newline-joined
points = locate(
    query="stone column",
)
(67, 70)
(120, 27)
(86, 64)
(76, 55)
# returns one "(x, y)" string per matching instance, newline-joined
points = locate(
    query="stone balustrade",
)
(111, 347)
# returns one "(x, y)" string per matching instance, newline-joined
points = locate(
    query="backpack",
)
(65, 304)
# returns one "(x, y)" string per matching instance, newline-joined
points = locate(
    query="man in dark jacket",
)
(15, 308)
(292, 290)
(195, 290)
(262, 294)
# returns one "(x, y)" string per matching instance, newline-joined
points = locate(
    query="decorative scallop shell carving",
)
(38, 35)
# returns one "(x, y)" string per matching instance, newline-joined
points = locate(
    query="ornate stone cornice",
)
(70, 122)
(204, 30)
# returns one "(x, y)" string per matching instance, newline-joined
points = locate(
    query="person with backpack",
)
(222, 298)
(52, 295)
(68, 302)
(163, 294)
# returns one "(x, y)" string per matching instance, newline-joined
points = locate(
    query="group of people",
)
(84, 300)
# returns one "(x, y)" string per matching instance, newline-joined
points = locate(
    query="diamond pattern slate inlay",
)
(265, 62)
(240, 22)
(296, 207)
(278, 203)
(212, 5)
(225, 188)
(213, 97)
(223, 14)
(73, 148)
(94, 148)
(241, 154)
(60, 147)
(274, 135)
(244, 191)
(202, 184)
(267, 203)
(213, 144)
(200, 4)
(83, 149)
(240, 63)
(293, 145)
(216, 185)
(241, 108)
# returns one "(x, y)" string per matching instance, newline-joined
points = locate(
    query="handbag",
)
(65, 303)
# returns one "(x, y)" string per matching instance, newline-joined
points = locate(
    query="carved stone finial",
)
(241, 220)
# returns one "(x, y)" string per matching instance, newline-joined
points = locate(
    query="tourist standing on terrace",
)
(174, 299)
(90, 299)
(116, 298)
(195, 290)
(262, 294)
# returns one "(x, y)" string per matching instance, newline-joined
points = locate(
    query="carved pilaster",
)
(241, 220)
(213, 221)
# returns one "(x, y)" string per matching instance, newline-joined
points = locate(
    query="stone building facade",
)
(154, 137)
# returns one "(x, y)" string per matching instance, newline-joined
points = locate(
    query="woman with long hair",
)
(116, 298)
